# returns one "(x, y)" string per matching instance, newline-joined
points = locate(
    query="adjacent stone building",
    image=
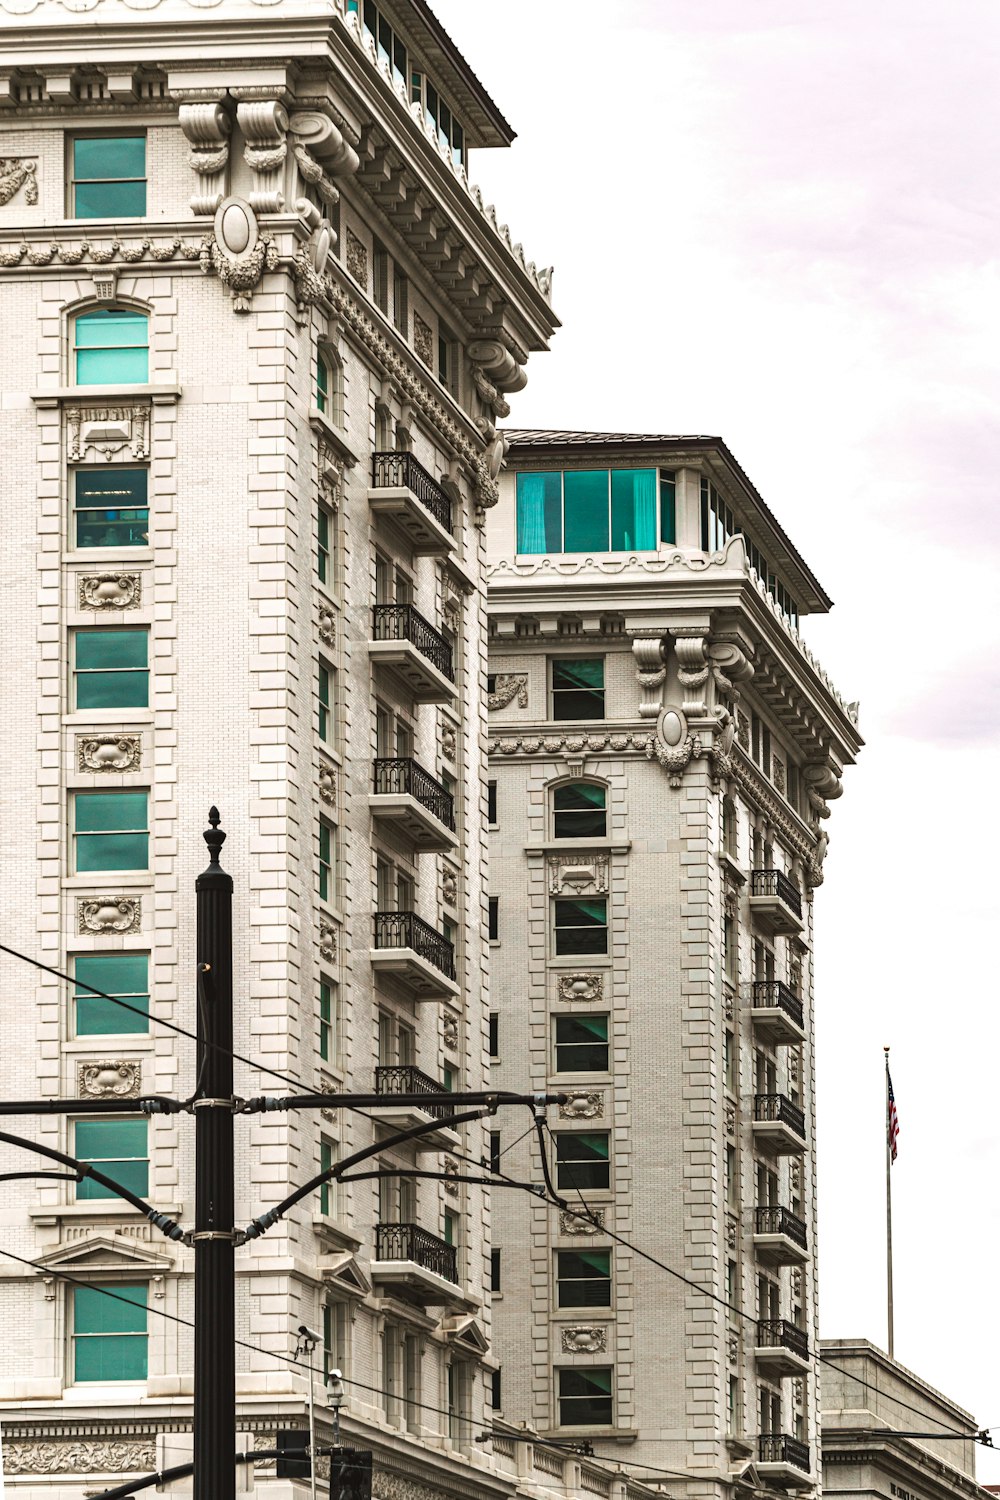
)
(868, 1398)
(663, 750)
(258, 329)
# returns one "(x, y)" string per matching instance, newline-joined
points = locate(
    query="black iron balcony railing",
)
(778, 1333)
(779, 1448)
(401, 622)
(409, 1080)
(773, 994)
(410, 1242)
(394, 471)
(779, 1109)
(776, 883)
(404, 929)
(772, 1218)
(406, 775)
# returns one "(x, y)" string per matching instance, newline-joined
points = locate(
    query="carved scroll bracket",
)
(207, 126)
(651, 673)
(264, 123)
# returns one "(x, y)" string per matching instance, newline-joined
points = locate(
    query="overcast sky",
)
(776, 220)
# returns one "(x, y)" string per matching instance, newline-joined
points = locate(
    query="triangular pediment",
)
(341, 1270)
(463, 1329)
(102, 1253)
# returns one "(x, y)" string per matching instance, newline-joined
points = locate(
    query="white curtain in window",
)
(644, 491)
(531, 513)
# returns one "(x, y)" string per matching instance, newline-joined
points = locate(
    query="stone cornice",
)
(797, 834)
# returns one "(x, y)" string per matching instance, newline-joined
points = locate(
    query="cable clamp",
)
(212, 1104)
(229, 1235)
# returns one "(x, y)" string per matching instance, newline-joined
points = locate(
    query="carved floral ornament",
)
(571, 1223)
(581, 986)
(582, 1105)
(327, 940)
(110, 591)
(237, 251)
(79, 1456)
(116, 1079)
(327, 783)
(584, 1339)
(118, 914)
(580, 873)
(15, 173)
(508, 686)
(109, 752)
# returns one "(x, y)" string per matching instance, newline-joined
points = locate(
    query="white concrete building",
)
(867, 1399)
(662, 750)
(257, 331)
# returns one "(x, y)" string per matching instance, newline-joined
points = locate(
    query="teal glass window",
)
(579, 812)
(633, 510)
(123, 974)
(111, 830)
(581, 1044)
(119, 1148)
(326, 838)
(585, 1398)
(112, 669)
(112, 347)
(539, 513)
(325, 1163)
(583, 1278)
(324, 691)
(668, 506)
(109, 177)
(323, 545)
(110, 1341)
(585, 510)
(112, 507)
(581, 926)
(578, 687)
(325, 1020)
(583, 1159)
(322, 384)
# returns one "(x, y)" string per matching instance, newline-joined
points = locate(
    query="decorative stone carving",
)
(727, 1004)
(452, 1169)
(70, 255)
(115, 1079)
(331, 475)
(778, 775)
(795, 1175)
(18, 172)
(733, 1347)
(674, 745)
(423, 337)
(571, 1223)
(794, 1065)
(327, 940)
(327, 783)
(584, 1339)
(581, 986)
(795, 1282)
(743, 729)
(105, 285)
(237, 251)
(264, 123)
(312, 173)
(327, 624)
(582, 1106)
(449, 740)
(692, 671)
(487, 467)
(502, 362)
(107, 430)
(730, 1117)
(110, 591)
(109, 914)
(582, 873)
(207, 126)
(449, 886)
(651, 672)
(49, 1456)
(356, 257)
(798, 1390)
(449, 1030)
(732, 1231)
(553, 744)
(507, 687)
(108, 752)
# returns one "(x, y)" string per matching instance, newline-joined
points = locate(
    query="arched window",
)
(111, 347)
(579, 811)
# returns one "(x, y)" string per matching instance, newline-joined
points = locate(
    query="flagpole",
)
(888, 1206)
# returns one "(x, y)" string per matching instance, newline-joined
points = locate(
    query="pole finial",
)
(214, 837)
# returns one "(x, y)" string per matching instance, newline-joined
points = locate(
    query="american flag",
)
(893, 1122)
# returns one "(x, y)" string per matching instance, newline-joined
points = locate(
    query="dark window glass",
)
(581, 1044)
(539, 513)
(325, 862)
(583, 1278)
(112, 669)
(494, 1041)
(578, 688)
(633, 510)
(494, 1270)
(325, 1021)
(118, 1148)
(582, 1160)
(491, 802)
(380, 277)
(109, 1333)
(323, 545)
(111, 831)
(495, 1402)
(123, 974)
(585, 501)
(494, 1150)
(585, 1398)
(109, 177)
(112, 508)
(494, 918)
(581, 926)
(578, 811)
(668, 506)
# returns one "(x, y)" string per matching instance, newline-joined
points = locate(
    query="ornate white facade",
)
(663, 748)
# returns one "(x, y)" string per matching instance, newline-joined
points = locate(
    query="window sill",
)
(335, 1232)
(82, 557)
(169, 391)
(731, 866)
(85, 881)
(320, 422)
(606, 1434)
(98, 1208)
(575, 846)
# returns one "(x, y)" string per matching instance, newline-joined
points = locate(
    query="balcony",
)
(407, 796)
(410, 647)
(779, 1237)
(782, 1348)
(779, 1124)
(775, 904)
(411, 950)
(776, 1012)
(403, 490)
(783, 1460)
(412, 1259)
(391, 1081)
